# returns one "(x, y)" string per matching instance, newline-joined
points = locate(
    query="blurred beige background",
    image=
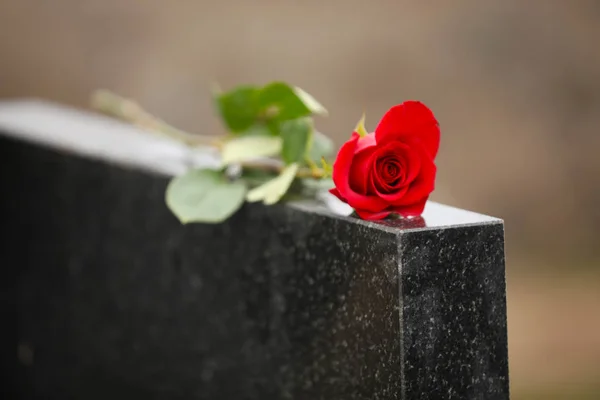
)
(515, 85)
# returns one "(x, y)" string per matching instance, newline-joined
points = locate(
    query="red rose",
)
(391, 170)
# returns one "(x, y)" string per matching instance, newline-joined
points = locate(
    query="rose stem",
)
(128, 110)
(302, 172)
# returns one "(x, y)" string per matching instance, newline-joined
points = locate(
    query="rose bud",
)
(392, 170)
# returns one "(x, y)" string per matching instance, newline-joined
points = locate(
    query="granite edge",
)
(499, 224)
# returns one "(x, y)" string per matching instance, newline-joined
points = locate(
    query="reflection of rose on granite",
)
(403, 223)
(400, 222)
(334, 205)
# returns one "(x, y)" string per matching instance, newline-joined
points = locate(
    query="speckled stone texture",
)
(106, 295)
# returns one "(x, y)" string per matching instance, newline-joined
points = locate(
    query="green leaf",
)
(204, 195)
(250, 147)
(272, 191)
(321, 147)
(296, 135)
(283, 102)
(360, 127)
(239, 108)
(310, 102)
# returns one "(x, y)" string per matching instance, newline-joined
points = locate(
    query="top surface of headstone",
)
(102, 138)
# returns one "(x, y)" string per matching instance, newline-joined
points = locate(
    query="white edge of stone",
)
(61, 127)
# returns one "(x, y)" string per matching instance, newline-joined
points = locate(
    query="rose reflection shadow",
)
(400, 223)
(333, 204)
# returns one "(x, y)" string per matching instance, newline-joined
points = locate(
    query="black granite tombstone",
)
(106, 295)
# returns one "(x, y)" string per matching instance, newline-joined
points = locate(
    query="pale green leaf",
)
(257, 130)
(272, 191)
(296, 135)
(311, 103)
(360, 127)
(321, 147)
(245, 148)
(204, 195)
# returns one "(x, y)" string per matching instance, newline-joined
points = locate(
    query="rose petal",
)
(410, 121)
(390, 169)
(411, 160)
(361, 164)
(412, 210)
(337, 194)
(423, 185)
(341, 176)
(365, 142)
(412, 166)
(372, 216)
(390, 198)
